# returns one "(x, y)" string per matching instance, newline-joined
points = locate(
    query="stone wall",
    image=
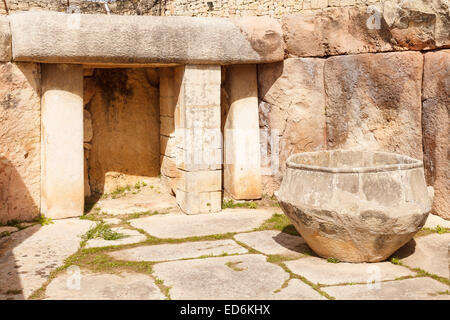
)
(121, 127)
(20, 151)
(199, 8)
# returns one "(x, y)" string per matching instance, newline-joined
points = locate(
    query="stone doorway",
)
(192, 127)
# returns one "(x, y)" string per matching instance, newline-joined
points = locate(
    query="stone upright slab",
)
(62, 159)
(168, 93)
(435, 125)
(20, 152)
(199, 147)
(5, 39)
(242, 163)
(373, 102)
(291, 113)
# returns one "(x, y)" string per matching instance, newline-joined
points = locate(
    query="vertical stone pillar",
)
(62, 158)
(242, 161)
(168, 96)
(199, 143)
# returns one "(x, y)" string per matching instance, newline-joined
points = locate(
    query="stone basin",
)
(355, 206)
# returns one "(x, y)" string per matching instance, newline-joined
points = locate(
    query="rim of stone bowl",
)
(408, 163)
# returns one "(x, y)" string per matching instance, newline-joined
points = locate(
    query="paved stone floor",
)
(235, 254)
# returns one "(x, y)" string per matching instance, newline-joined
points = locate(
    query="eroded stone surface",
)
(291, 113)
(132, 236)
(183, 226)
(335, 31)
(274, 242)
(318, 270)
(29, 256)
(5, 39)
(20, 148)
(418, 24)
(374, 102)
(435, 122)
(7, 229)
(166, 252)
(408, 289)
(124, 286)
(125, 123)
(238, 277)
(191, 40)
(429, 253)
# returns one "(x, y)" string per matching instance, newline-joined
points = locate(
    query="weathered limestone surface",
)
(178, 251)
(20, 152)
(61, 38)
(7, 230)
(274, 242)
(334, 31)
(62, 160)
(356, 206)
(373, 102)
(5, 39)
(124, 286)
(428, 253)
(225, 278)
(242, 164)
(131, 236)
(392, 25)
(198, 138)
(418, 24)
(28, 257)
(318, 270)
(408, 289)
(125, 121)
(292, 113)
(183, 226)
(436, 129)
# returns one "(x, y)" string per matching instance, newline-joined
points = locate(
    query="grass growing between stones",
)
(279, 222)
(103, 231)
(309, 283)
(420, 272)
(228, 204)
(427, 231)
(43, 220)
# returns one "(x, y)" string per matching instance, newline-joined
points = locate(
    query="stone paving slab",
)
(429, 253)
(8, 229)
(318, 270)
(183, 226)
(112, 221)
(133, 236)
(126, 286)
(274, 242)
(297, 290)
(408, 289)
(28, 257)
(146, 199)
(433, 221)
(226, 278)
(176, 251)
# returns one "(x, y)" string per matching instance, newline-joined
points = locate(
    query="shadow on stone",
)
(11, 285)
(405, 251)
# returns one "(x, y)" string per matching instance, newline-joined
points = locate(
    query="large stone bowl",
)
(355, 206)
